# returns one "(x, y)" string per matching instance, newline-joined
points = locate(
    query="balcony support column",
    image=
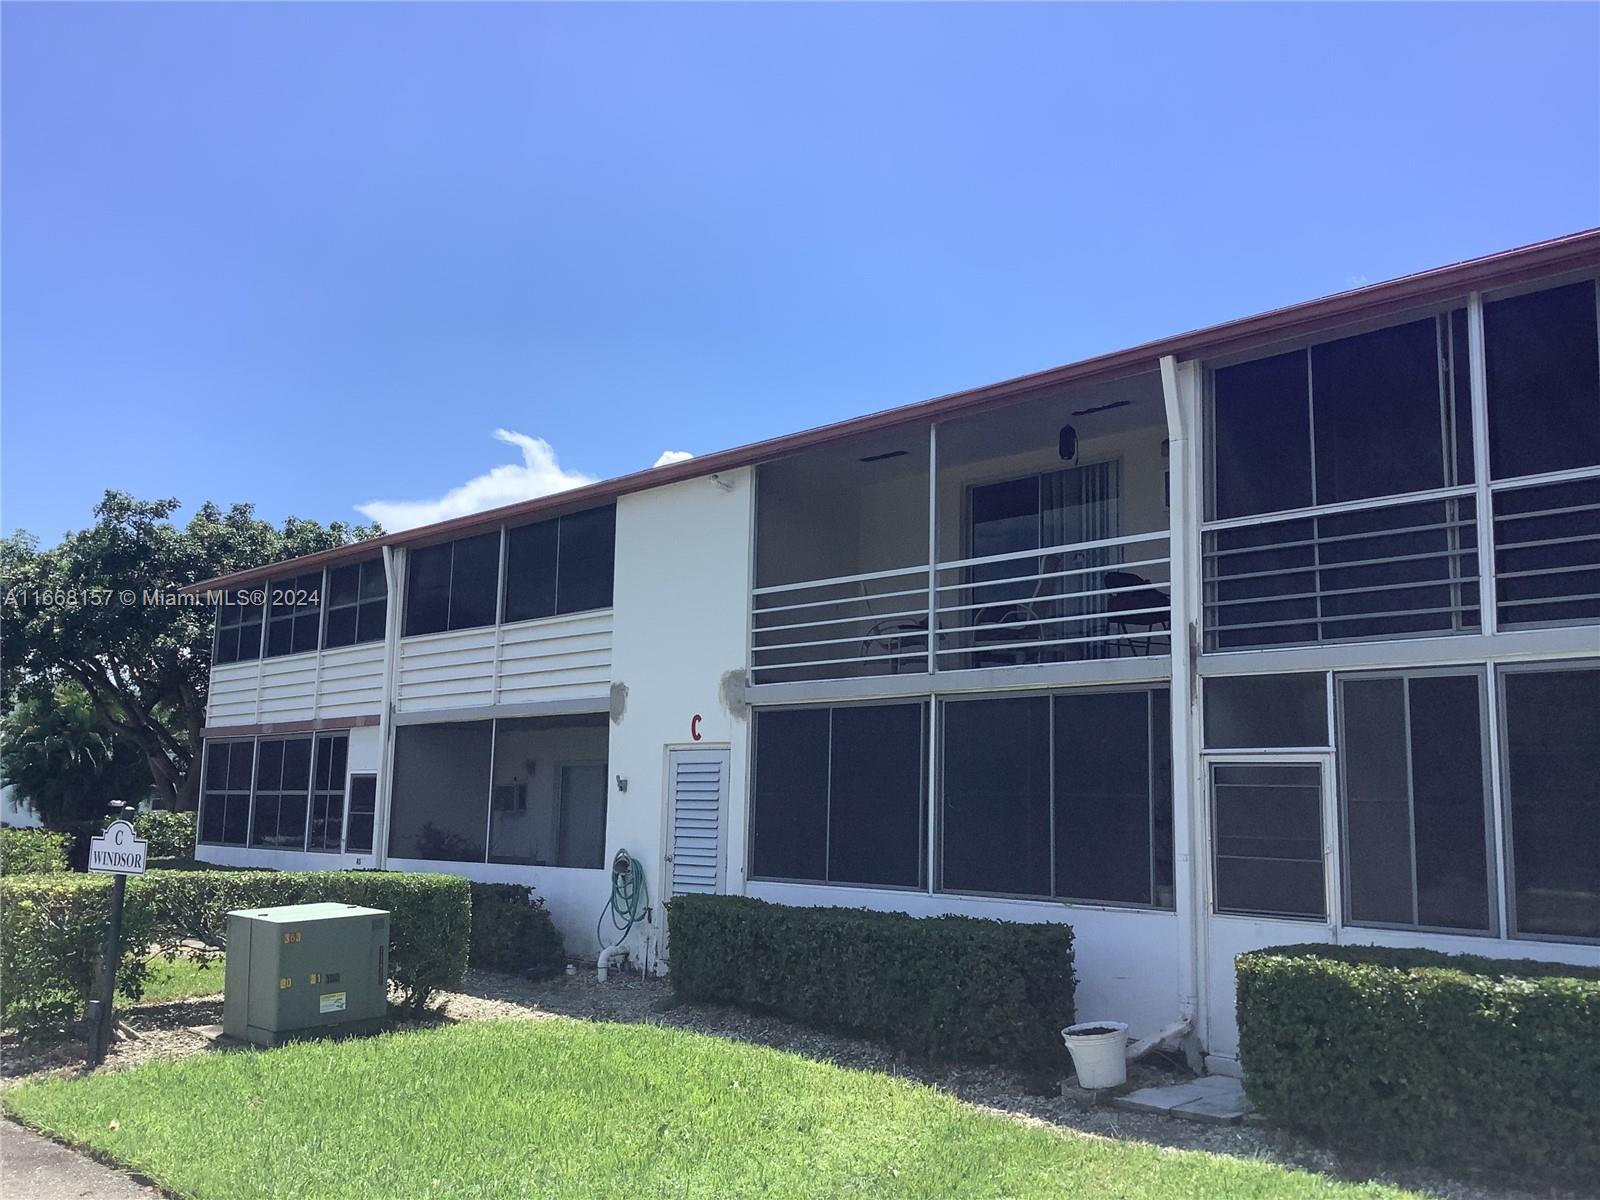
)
(1181, 387)
(932, 782)
(933, 548)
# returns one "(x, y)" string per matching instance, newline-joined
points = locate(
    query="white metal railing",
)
(1371, 568)
(1082, 600)
(874, 623)
(1547, 549)
(1087, 600)
(1389, 567)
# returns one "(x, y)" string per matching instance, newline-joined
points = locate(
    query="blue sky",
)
(315, 256)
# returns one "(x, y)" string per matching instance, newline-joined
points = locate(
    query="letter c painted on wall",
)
(694, 726)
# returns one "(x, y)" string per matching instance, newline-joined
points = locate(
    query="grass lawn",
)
(180, 979)
(564, 1109)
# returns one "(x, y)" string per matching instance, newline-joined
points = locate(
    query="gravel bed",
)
(165, 1033)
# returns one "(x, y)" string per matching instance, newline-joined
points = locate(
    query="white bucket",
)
(1101, 1057)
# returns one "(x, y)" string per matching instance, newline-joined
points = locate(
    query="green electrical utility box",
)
(303, 970)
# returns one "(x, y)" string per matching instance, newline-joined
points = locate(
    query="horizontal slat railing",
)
(839, 628)
(1547, 551)
(1085, 600)
(1367, 569)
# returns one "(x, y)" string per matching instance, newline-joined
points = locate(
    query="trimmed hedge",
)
(52, 930)
(1422, 1056)
(52, 936)
(170, 834)
(939, 987)
(512, 931)
(33, 851)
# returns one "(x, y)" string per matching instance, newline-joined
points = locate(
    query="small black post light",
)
(1068, 443)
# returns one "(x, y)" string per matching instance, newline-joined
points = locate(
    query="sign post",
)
(118, 852)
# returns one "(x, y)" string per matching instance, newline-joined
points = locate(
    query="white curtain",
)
(1076, 505)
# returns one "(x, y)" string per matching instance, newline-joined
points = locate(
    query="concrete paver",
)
(1213, 1099)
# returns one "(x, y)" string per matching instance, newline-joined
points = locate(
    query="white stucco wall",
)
(680, 620)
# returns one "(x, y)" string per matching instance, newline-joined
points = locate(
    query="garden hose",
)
(630, 899)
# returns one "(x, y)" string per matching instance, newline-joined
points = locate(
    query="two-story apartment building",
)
(1286, 630)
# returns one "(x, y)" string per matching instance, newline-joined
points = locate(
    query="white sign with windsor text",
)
(118, 851)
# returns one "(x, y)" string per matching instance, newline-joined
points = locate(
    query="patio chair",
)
(1127, 610)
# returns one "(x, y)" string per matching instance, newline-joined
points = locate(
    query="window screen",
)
(428, 590)
(1107, 789)
(996, 796)
(1261, 436)
(1412, 759)
(282, 795)
(839, 794)
(531, 570)
(327, 792)
(548, 807)
(875, 833)
(1267, 819)
(1265, 712)
(1459, 371)
(1067, 795)
(225, 802)
(789, 811)
(1378, 414)
(357, 603)
(453, 586)
(474, 581)
(1378, 425)
(588, 549)
(238, 633)
(1552, 769)
(440, 791)
(294, 614)
(1542, 359)
(563, 565)
(363, 813)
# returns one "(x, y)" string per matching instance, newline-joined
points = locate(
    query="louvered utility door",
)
(699, 783)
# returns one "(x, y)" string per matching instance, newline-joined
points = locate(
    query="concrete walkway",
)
(35, 1168)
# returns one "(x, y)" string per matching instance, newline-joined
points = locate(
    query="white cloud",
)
(539, 474)
(668, 457)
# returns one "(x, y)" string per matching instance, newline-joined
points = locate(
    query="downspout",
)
(1179, 389)
(393, 568)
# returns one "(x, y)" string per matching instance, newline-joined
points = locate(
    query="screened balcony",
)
(1347, 497)
(1053, 530)
(1049, 525)
(841, 561)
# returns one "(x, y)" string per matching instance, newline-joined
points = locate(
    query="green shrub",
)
(32, 851)
(512, 931)
(1421, 1056)
(170, 834)
(52, 929)
(942, 987)
(52, 936)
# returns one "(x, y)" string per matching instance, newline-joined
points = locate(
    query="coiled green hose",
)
(630, 899)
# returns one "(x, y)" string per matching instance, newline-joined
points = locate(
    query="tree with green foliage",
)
(65, 763)
(144, 665)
